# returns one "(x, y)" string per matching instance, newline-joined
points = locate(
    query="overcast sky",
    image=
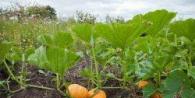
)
(101, 8)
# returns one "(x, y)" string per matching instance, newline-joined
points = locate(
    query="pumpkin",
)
(141, 84)
(94, 93)
(77, 91)
(157, 95)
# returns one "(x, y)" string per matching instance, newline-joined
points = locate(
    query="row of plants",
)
(151, 51)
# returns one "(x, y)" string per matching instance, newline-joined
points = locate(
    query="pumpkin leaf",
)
(39, 57)
(60, 39)
(84, 32)
(53, 54)
(191, 72)
(188, 92)
(184, 28)
(59, 60)
(174, 84)
(148, 90)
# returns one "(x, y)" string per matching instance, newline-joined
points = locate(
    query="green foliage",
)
(105, 54)
(53, 54)
(178, 83)
(147, 47)
(153, 22)
(149, 90)
(116, 34)
(191, 72)
(84, 32)
(60, 59)
(184, 28)
(9, 52)
(123, 35)
(61, 39)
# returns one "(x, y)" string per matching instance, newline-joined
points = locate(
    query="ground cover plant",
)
(151, 55)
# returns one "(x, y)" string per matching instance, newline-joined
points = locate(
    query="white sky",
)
(101, 8)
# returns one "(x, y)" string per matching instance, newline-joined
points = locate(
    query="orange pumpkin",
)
(77, 91)
(157, 95)
(94, 93)
(141, 84)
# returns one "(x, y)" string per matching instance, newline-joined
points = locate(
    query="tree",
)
(42, 12)
(117, 19)
(82, 17)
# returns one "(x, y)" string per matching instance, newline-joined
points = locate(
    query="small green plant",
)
(54, 55)
(85, 33)
(9, 55)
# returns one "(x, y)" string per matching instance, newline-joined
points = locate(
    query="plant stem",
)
(96, 68)
(40, 87)
(32, 86)
(190, 59)
(159, 78)
(18, 90)
(24, 70)
(61, 92)
(57, 81)
(114, 88)
(11, 73)
(124, 80)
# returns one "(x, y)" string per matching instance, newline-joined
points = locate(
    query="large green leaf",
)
(191, 72)
(123, 35)
(153, 22)
(150, 23)
(116, 34)
(53, 54)
(188, 92)
(184, 28)
(177, 81)
(45, 39)
(55, 59)
(60, 39)
(84, 31)
(39, 57)
(59, 60)
(148, 90)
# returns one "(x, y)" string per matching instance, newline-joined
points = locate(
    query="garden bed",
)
(40, 77)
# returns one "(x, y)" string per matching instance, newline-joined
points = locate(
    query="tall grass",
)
(27, 32)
